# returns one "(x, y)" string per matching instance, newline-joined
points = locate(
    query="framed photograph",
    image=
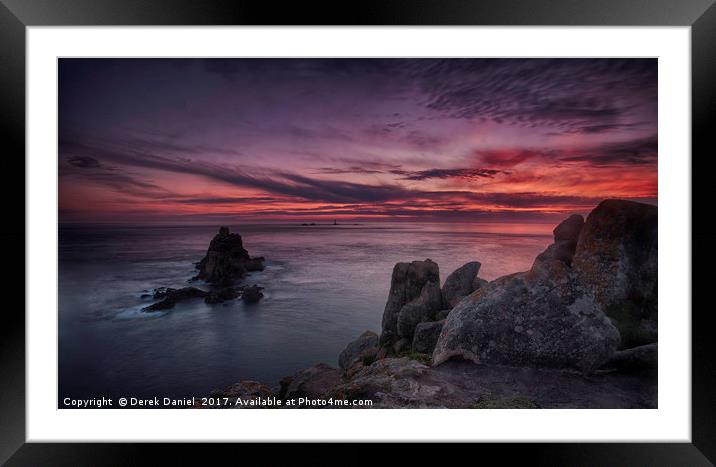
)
(429, 222)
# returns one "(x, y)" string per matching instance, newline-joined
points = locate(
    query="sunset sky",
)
(209, 140)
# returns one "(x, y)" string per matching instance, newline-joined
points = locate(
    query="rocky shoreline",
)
(578, 330)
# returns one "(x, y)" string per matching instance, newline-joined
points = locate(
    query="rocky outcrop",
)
(171, 297)
(461, 283)
(555, 315)
(414, 297)
(616, 258)
(313, 382)
(226, 259)
(426, 336)
(542, 318)
(365, 347)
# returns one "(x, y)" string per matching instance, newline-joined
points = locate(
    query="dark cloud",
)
(603, 128)
(227, 200)
(326, 191)
(637, 151)
(634, 152)
(588, 95)
(348, 170)
(470, 174)
(84, 162)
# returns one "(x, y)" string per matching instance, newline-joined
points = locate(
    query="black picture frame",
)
(16, 15)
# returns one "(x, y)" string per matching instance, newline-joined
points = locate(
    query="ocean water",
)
(324, 286)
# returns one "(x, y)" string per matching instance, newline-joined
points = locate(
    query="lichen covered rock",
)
(541, 318)
(616, 258)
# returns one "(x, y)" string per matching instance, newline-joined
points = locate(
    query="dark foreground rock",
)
(314, 382)
(616, 258)
(405, 383)
(226, 259)
(414, 297)
(397, 383)
(172, 296)
(462, 282)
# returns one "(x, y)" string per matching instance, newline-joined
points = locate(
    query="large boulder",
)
(426, 336)
(541, 318)
(616, 258)
(313, 382)
(462, 282)
(365, 345)
(414, 297)
(226, 259)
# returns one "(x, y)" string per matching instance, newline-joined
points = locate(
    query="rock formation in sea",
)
(170, 297)
(226, 259)
(588, 303)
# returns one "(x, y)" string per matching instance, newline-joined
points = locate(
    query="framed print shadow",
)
(318, 216)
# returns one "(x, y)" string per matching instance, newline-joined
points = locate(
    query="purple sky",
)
(204, 140)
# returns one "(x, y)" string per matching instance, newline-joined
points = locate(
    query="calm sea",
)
(324, 286)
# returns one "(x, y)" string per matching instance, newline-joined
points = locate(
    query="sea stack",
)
(226, 259)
